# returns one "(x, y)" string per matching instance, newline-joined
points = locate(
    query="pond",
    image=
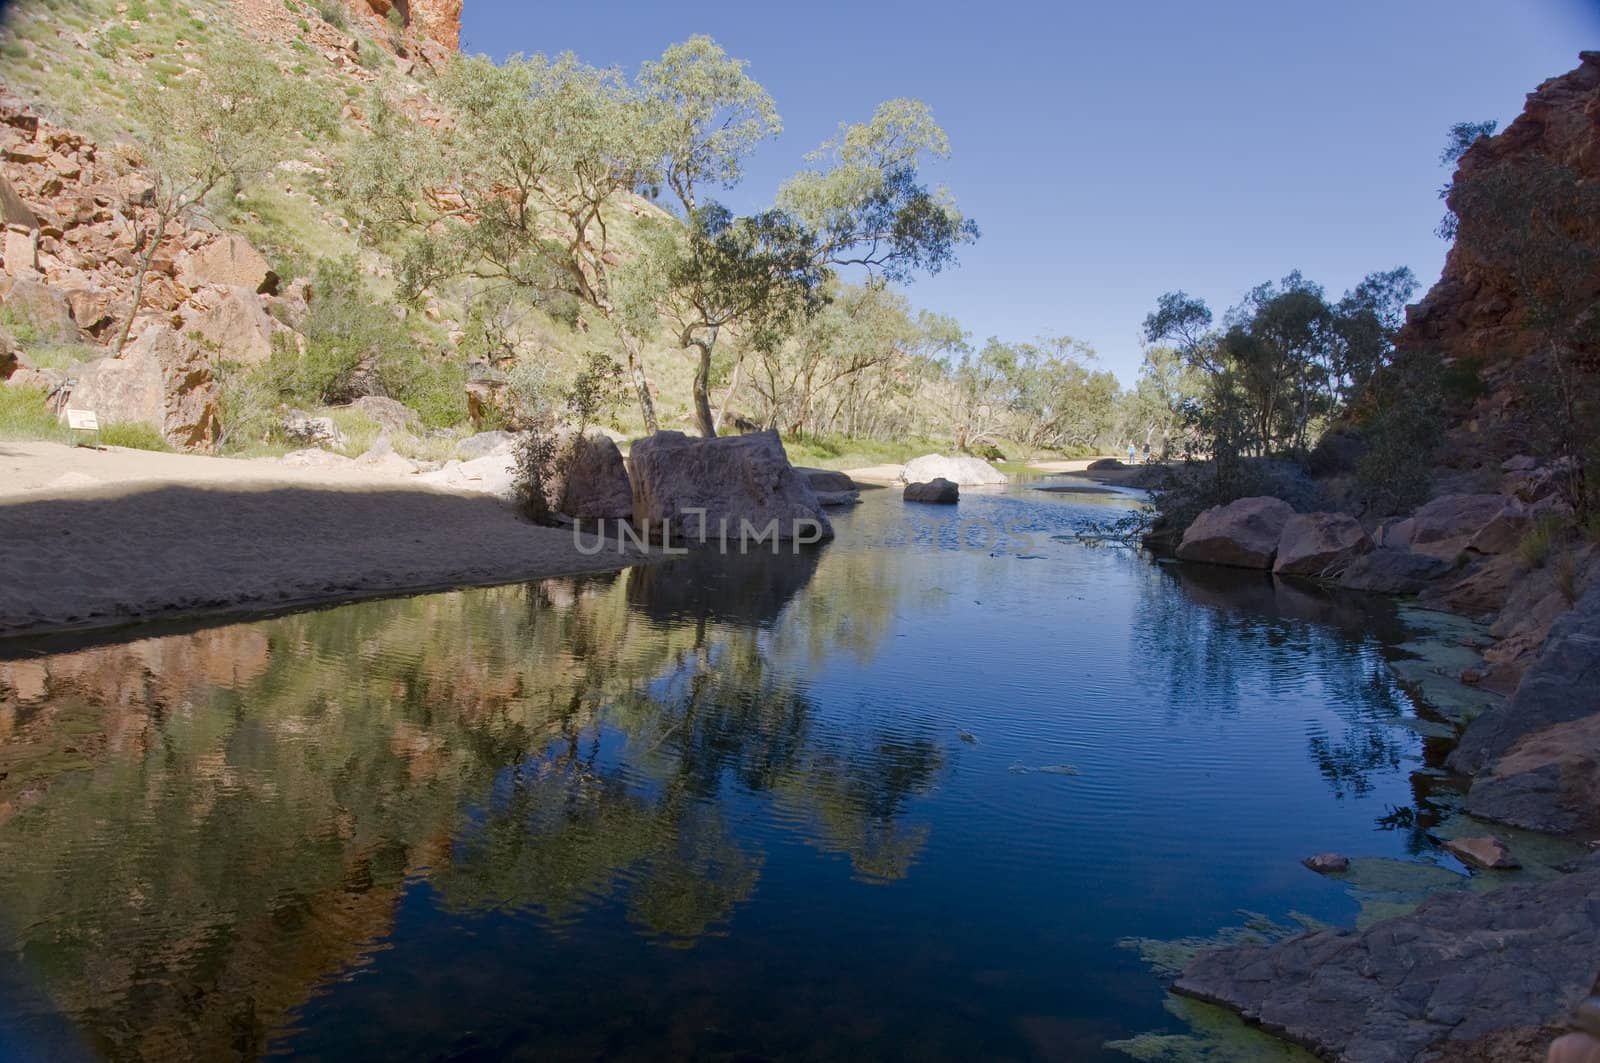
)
(904, 796)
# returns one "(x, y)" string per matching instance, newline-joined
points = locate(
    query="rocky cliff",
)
(1477, 309)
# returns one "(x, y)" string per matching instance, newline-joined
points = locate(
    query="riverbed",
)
(909, 795)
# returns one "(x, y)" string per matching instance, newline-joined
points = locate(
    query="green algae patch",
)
(1217, 1036)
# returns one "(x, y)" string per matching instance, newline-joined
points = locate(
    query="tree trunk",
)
(641, 383)
(149, 255)
(702, 386)
(727, 400)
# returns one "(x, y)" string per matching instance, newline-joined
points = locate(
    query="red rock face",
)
(1475, 310)
(438, 20)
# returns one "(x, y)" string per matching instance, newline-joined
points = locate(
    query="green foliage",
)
(135, 435)
(332, 12)
(24, 414)
(535, 467)
(596, 391)
(1545, 535)
(1402, 428)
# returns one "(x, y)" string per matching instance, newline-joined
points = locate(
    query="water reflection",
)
(272, 836)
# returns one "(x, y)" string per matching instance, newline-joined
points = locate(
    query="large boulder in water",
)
(963, 469)
(592, 479)
(161, 379)
(938, 490)
(734, 480)
(1244, 533)
(1320, 545)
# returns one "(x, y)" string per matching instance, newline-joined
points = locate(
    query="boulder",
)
(838, 499)
(1320, 545)
(388, 414)
(1446, 525)
(827, 479)
(1487, 852)
(13, 211)
(234, 322)
(1327, 863)
(491, 474)
(94, 309)
(21, 253)
(938, 491)
(593, 480)
(310, 430)
(229, 260)
(739, 481)
(161, 379)
(1390, 570)
(9, 361)
(1244, 533)
(1504, 531)
(381, 458)
(44, 309)
(962, 470)
(485, 443)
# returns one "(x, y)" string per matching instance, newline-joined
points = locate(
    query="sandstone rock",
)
(962, 470)
(233, 322)
(381, 458)
(44, 309)
(1504, 531)
(303, 427)
(738, 481)
(1393, 571)
(1243, 533)
(1461, 966)
(1479, 589)
(161, 379)
(13, 211)
(938, 491)
(1541, 750)
(391, 415)
(94, 309)
(1328, 863)
(491, 474)
(230, 261)
(21, 252)
(593, 479)
(1320, 545)
(1487, 852)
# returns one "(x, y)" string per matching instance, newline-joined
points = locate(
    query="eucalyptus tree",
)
(522, 189)
(758, 272)
(867, 203)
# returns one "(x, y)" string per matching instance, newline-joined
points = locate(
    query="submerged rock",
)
(938, 491)
(1463, 965)
(1486, 852)
(962, 470)
(1327, 863)
(1243, 533)
(694, 487)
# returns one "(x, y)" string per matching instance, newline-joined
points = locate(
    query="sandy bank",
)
(93, 539)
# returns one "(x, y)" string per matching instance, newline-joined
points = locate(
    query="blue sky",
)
(1114, 151)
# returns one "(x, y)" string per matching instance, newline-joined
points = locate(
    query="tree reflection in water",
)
(196, 830)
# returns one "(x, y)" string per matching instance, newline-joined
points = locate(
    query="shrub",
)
(135, 435)
(1402, 430)
(536, 456)
(25, 414)
(332, 12)
(1546, 533)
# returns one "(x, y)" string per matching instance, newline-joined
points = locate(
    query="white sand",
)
(100, 538)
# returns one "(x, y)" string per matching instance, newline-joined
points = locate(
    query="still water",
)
(901, 797)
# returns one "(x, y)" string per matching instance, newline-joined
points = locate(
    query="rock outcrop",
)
(938, 491)
(1445, 526)
(1476, 310)
(1392, 570)
(162, 379)
(1243, 533)
(44, 309)
(1461, 966)
(229, 261)
(1537, 759)
(1320, 545)
(963, 470)
(696, 487)
(232, 321)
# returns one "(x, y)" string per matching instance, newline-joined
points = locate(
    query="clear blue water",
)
(759, 808)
